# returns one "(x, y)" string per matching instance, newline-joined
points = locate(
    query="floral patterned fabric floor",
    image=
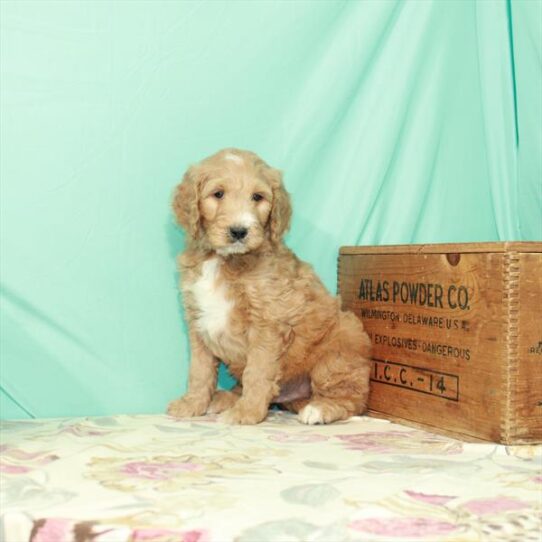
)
(155, 479)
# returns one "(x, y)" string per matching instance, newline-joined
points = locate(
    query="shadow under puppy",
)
(253, 304)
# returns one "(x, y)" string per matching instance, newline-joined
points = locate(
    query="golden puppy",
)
(253, 304)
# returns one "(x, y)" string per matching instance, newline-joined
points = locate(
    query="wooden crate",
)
(457, 335)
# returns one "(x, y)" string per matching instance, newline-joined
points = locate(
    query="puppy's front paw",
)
(242, 414)
(222, 400)
(187, 407)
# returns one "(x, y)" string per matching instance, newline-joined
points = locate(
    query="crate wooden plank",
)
(446, 248)
(456, 331)
(526, 354)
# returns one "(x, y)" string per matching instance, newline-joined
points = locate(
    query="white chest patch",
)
(210, 297)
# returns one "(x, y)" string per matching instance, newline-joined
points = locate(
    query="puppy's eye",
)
(219, 194)
(257, 197)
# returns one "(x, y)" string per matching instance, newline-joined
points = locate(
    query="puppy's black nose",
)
(238, 233)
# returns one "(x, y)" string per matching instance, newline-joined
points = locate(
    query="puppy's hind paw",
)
(186, 407)
(322, 411)
(311, 415)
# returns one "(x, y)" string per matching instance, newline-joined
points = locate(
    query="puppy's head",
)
(232, 202)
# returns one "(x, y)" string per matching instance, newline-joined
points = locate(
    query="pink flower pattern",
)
(413, 442)
(495, 505)
(404, 527)
(155, 479)
(167, 535)
(14, 469)
(159, 471)
(300, 438)
(53, 530)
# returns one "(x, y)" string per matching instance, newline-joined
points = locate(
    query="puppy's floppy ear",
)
(186, 202)
(281, 211)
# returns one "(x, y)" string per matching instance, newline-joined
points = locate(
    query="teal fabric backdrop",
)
(394, 121)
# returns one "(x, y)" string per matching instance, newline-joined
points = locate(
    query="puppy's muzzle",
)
(238, 233)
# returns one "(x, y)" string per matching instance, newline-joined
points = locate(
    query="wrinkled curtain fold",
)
(394, 122)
